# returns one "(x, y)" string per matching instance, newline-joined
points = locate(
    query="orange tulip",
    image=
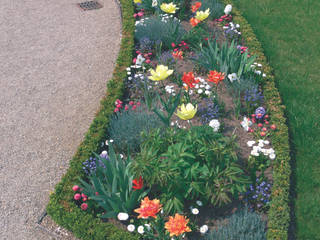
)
(177, 55)
(196, 6)
(188, 78)
(215, 77)
(194, 22)
(148, 208)
(177, 225)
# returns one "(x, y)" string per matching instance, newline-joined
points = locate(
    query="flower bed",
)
(193, 141)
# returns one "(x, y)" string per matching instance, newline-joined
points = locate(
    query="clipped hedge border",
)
(279, 213)
(61, 207)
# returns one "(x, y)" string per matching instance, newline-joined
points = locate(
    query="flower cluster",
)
(170, 89)
(80, 197)
(179, 49)
(225, 19)
(139, 14)
(231, 30)
(258, 195)
(199, 16)
(202, 88)
(90, 165)
(208, 110)
(142, 57)
(257, 67)
(258, 148)
(252, 98)
(242, 49)
(215, 77)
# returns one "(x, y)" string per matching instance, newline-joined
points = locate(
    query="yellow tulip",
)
(161, 73)
(169, 7)
(186, 112)
(201, 15)
(137, 1)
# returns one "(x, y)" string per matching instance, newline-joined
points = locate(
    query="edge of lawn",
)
(66, 213)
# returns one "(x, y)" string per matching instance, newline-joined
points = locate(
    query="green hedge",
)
(61, 207)
(279, 213)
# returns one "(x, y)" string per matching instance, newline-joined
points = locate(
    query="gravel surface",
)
(55, 61)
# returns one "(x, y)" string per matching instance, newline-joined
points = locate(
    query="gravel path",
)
(54, 63)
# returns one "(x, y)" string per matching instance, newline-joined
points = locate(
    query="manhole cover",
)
(90, 5)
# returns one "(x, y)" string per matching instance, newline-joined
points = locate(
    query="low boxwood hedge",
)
(279, 213)
(66, 213)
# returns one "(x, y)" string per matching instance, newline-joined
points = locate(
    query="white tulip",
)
(228, 9)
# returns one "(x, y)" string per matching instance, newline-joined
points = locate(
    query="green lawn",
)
(289, 31)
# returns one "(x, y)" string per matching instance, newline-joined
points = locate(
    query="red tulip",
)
(137, 184)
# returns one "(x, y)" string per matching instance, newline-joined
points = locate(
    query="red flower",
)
(137, 184)
(194, 22)
(188, 78)
(195, 7)
(177, 55)
(215, 77)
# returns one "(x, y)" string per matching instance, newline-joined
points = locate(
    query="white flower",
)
(123, 216)
(232, 77)
(129, 78)
(131, 227)
(104, 153)
(237, 25)
(147, 226)
(272, 156)
(154, 3)
(141, 229)
(204, 229)
(128, 73)
(121, 156)
(140, 59)
(256, 148)
(195, 211)
(266, 142)
(200, 91)
(261, 144)
(202, 86)
(207, 92)
(208, 87)
(259, 65)
(257, 72)
(251, 143)
(228, 9)
(254, 153)
(215, 124)
(264, 75)
(196, 86)
(199, 203)
(246, 123)
(128, 69)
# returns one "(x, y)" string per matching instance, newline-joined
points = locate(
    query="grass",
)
(290, 36)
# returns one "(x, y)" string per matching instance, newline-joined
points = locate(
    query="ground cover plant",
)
(191, 141)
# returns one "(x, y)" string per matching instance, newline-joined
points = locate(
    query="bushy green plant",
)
(216, 8)
(164, 28)
(224, 58)
(242, 225)
(190, 164)
(126, 126)
(110, 186)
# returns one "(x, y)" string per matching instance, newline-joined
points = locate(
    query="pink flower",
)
(260, 124)
(116, 110)
(135, 15)
(134, 107)
(264, 129)
(273, 127)
(97, 193)
(83, 195)
(84, 206)
(131, 103)
(148, 61)
(140, 14)
(262, 134)
(138, 103)
(134, 60)
(75, 188)
(77, 196)
(84, 199)
(126, 108)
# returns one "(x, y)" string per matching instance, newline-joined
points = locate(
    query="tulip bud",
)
(262, 134)
(75, 188)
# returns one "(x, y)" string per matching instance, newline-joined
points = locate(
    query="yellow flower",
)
(201, 15)
(169, 7)
(137, 1)
(161, 73)
(186, 112)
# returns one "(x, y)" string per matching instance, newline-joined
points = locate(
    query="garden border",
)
(61, 207)
(279, 212)
(66, 213)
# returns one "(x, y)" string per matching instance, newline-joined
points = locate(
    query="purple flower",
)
(260, 112)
